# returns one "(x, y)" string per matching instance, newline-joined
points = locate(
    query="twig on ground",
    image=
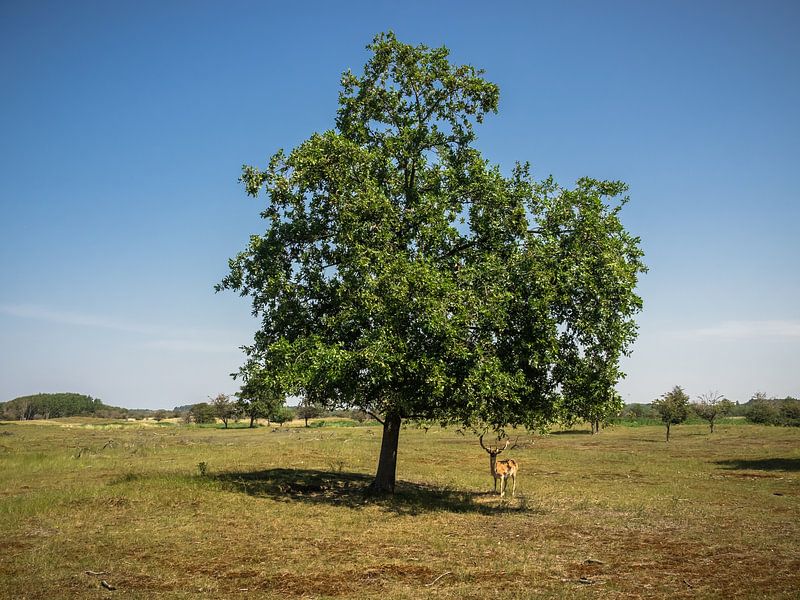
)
(107, 585)
(95, 573)
(438, 578)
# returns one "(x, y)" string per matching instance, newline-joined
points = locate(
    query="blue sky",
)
(123, 128)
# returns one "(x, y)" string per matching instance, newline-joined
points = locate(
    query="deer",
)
(502, 469)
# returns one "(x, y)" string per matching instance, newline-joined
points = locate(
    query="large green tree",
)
(402, 274)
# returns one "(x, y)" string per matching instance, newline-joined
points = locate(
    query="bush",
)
(203, 413)
(764, 412)
(790, 412)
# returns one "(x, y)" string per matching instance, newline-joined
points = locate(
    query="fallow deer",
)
(502, 469)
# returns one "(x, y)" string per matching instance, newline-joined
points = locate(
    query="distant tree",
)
(672, 407)
(762, 410)
(307, 409)
(224, 409)
(17, 411)
(598, 409)
(599, 415)
(359, 416)
(160, 415)
(711, 406)
(253, 409)
(281, 415)
(790, 412)
(51, 406)
(202, 412)
(259, 395)
(638, 411)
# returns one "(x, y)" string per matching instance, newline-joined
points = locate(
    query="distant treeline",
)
(50, 406)
(65, 404)
(762, 410)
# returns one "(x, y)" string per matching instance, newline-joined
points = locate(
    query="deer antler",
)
(499, 450)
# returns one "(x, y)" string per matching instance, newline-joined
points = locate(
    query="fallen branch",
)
(438, 578)
(107, 585)
(96, 573)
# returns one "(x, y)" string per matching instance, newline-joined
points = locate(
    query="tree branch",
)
(374, 416)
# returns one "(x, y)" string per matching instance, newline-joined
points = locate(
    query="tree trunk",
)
(252, 420)
(667, 431)
(712, 426)
(387, 463)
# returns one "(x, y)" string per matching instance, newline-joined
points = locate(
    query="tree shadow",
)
(351, 490)
(572, 432)
(761, 464)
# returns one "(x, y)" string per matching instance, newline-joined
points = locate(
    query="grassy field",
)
(179, 512)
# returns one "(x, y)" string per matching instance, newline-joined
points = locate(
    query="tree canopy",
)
(51, 406)
(403, 274)
(711, 406)
(673, 407)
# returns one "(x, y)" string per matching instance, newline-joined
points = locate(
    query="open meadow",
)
(178, 512)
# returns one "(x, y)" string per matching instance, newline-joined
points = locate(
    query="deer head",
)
(495, 450)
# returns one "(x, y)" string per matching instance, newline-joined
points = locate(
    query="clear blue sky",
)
(123, 128)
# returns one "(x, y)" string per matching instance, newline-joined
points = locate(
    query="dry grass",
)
(283, 514)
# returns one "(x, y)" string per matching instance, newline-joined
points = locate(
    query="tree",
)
(281, 415)
(308, 409)
(673, 407)
(402, 274)
(224, 409)
(253, 409)
(259, 395)
(762, 410)
(637, 411)
(202, 413)
(160, 415)
(790, 412)
(597, 414)
(711, 406)
(47, 406)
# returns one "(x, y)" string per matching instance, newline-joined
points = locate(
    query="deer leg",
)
(503, 483)
(514, 486)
